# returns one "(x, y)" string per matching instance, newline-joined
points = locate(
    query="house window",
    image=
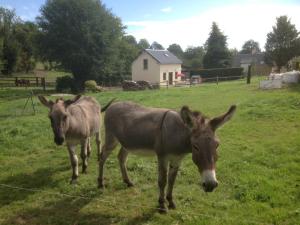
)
(145, 63)
(164, 76)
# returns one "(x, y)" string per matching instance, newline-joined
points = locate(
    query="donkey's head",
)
(204, 143)
(58, 116)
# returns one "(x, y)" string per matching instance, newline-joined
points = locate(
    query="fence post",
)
(37, 81)
(43, 81)
(249, 75)
(217, 80)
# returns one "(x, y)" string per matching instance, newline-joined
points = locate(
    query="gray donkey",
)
(167, 134)
(75, 121)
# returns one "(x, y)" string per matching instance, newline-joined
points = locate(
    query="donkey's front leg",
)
(84, 154)
(173, 170)
(162, 181)
(74, 163)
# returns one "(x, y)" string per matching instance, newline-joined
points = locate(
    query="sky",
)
(188, 22)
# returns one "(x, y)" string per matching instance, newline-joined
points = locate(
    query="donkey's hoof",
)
(101, 185)
(73, 181)
(162, 210)
(129, 183)
(172, 205)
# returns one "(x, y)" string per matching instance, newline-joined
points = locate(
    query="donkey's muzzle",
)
(59, 140)
(209, 186)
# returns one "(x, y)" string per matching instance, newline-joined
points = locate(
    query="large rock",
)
(291, 77)
(270, 84)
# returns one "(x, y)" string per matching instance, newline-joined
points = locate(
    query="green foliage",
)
(128, 51)
(193, 57)
(283, 43)
(217, 54)
(231, 73)
(81, 35)
(64, 84)
(143, 44)
(250, 47)
(17, 43)
(257, 169)
(176, 50)
(157, 46)
(91, 85)
(25, 33)
(10, 47)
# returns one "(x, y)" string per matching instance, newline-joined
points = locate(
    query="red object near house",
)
(180, 75)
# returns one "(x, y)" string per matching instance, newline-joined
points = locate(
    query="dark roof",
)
(163, 56)
(257, 58)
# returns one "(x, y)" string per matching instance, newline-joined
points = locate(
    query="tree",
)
(143, 44)
(282, 43)
(193, 57)
(176, 50)
(82, 35)
(128, 51)
(250, 47)
(155, 45)
(10, 47)
(217, 54)
(24, 34)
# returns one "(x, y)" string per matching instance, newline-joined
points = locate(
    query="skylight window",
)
(166, 55)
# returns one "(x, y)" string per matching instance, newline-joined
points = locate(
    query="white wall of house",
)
(169, 68)
(151, 74)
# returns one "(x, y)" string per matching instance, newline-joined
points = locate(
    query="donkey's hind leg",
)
(98, 142)
(89, 149)
(122, 156)
(110, 144)
(84, 154)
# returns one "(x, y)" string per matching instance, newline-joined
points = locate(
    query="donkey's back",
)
(86, 116)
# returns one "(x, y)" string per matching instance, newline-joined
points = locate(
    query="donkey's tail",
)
(108, 104)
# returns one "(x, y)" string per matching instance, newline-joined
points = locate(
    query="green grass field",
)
(258, 167)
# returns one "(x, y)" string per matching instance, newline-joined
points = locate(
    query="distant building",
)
(259, 67)
(156, 66)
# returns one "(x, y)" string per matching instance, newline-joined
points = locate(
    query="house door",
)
(170, 78)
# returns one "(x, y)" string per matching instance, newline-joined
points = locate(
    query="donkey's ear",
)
(71, 101)
(187, 116)
(44, 101)
(220, 120)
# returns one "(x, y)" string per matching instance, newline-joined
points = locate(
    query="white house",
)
(156, 66)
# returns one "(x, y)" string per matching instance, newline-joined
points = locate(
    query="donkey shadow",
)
(41, 178)
(69, 211)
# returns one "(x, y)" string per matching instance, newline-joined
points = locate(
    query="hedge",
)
(229, 73)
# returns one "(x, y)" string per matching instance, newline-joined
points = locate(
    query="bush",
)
(91, 85)
(231, 73)
(65, 83)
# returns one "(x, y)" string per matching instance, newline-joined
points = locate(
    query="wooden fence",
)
(28, 81)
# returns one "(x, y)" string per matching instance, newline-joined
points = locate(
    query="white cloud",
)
(239, 23)
(166, 10)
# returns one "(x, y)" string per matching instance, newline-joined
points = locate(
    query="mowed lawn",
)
(258, 167)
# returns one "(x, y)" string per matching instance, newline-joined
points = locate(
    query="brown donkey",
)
(75, 121)
(168, 134)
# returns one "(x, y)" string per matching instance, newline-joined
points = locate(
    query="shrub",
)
(91, 85)
(231, 73)
(65, 83)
